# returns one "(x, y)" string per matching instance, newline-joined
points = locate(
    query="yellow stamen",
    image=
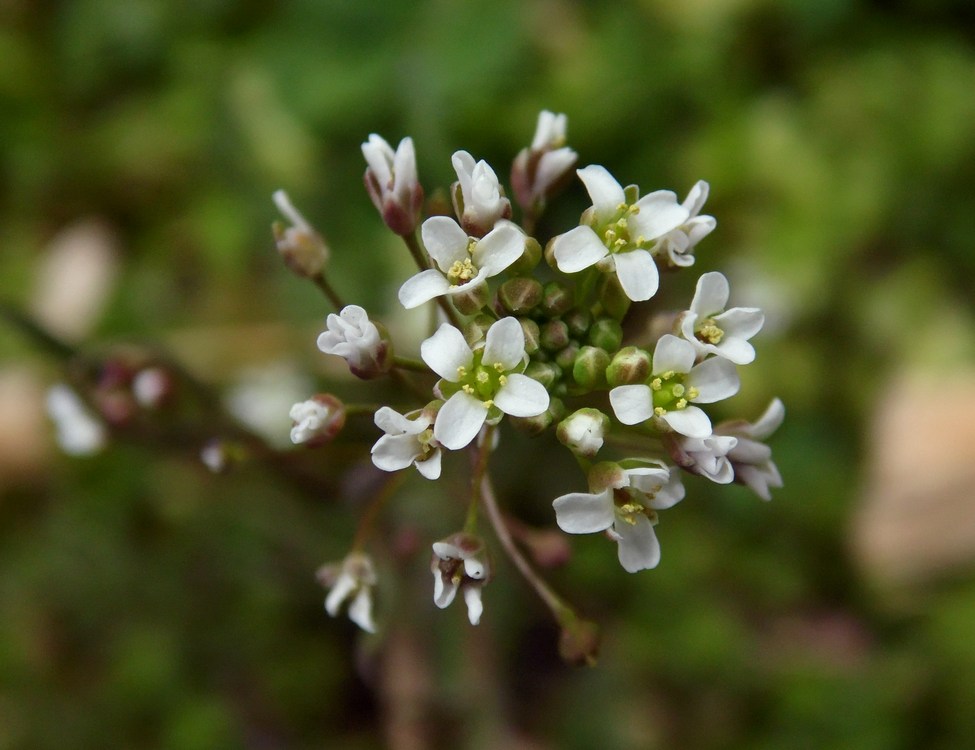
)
(659, 411)
(656, 384)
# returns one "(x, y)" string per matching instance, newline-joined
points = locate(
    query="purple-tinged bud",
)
(391, 180)
(302, 248)
(519, 295)
(529, 259)
(578, 322)
(629, 366)
(532, 333)
(478, 197)
(606, 333)
(317, 420)
(539, 171)
(472, 299)
(583, 431)
(589, 367)
(351, 335)
(554, 335)
(557, 299)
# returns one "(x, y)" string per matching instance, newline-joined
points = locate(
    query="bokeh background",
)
(147, 603)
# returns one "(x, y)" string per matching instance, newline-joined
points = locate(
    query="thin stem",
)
(33, 330)
(411, 363)
(368, 520)
(322, 283)
(477, 480)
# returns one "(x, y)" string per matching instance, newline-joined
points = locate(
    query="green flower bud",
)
(606, 333)
(566, 358)
(554, 335)
(519, 295)
(589, 367)
(471, 300)
(529, 259)
(532, 334)
(538, 424)
(546, 373)
(629, 366)
(578, 322)
(613, 298)
(557, 299)
(476, 329)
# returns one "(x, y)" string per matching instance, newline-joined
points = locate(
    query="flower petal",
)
(584, 513)
(445, 351)
(392, 422)
(504, 344)
(696, 197)
(360, 611)
(769, 421)
(521, 396)
(735, 350)
(715, 379)
(344, 585)
(443, 592)
(659, 213)
(606, 193)
(420, 288)
(475, 608)
(741, 322)
(578, 249)
(711, 294)
(430, 468)
(459, 421)
(499, 248)
(638, 545)
(395, 452)
(444, 240)
(691, 421)
(638, 274)
(672, 353)
(632, 404)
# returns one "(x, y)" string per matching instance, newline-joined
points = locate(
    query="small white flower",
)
(536, 170)
(481, 385)
(353, 581)
(407, 441)
(675, 384)
(463, 262)
(677, 244)
(583, 431)
(713, 330)
(706, 456)
(78, 433)
(391, 180)
(619, 234)
(625, 507)
(303, 249)
(751, 458)
(481, 202)
(351, 335)
(316, 420)
(460, 563)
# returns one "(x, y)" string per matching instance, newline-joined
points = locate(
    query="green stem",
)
(478, 477)
(411, 363)
(322, 283)
(368, 521)
(42, 338)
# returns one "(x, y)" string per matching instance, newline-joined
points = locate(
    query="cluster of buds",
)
(535, 338)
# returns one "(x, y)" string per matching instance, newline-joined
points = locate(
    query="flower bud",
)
(79, 433)
(554, 335)
(392, 183)
(302, 248)
(606, 333)
(152, 387)
(540, 170)
(578, 322)
(613, 298)
(479, 200)
(529, 259)
(472, 300)
(317, 420)
(530, 328)
(606, 474)
(546, 373)
(351, 335)
(519, 295)
(460, 563)
(629, 366)
(476, 329)
(579, 642)
(566, 358)
(557, 299)
(583, 431)
(536, 425)
(589, 367)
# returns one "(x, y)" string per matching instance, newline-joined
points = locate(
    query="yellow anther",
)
(468, 389)
(461, 372)
(693, 393)
(471, 244)
(634, 209)
(488, 404)
(656, 384)
(609, 235)
(659, 411)
(641, 240)
(620, 243)
(461, 271)
(668, 375)
(502, 380)
(622, 207)
(681, 404)
(709, 332)
(499, 367)
(621, 222)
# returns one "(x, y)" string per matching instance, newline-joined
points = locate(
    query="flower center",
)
(482, 381)
(670, 393)
(709, 332)
(462, 271)
(425, 439)
(616, 233)
(630, 505)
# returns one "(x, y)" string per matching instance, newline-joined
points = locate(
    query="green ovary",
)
(670, 393)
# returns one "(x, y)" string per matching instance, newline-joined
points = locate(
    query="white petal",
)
(711, 294)
(395, 452)
(499, 248)
(769, 422)
(632, 404)
(735, 350)
(578, 249)
(475, 608)
(444, 240)
(443, 593)
(459, 421)
(379, 155)
(741, 322)
(392, 422)
(464, 165)
(418, 289)
(691, 421)
(671, 494)
(638, 274)
(521, 396)
(584, 513)
(445, 351)
(430, 468)
(647, 478)
(715, 379)
(638, 545)
(606, 193)
(360, 611)
(672, 353)
(698, 228)
(696, 197)
(504, 344)
(339, 593)
(659, 213)
(404, 164)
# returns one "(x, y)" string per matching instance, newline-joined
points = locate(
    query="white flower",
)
(460, 562)
(536, 170)
(676, 245)
(353, 581)
(78, 432)
(583, 431)
(481, 202)
(316, 420)
(675, 384)
(407, 441)
(303, 249)
(481, 384)
(463, 262)
(706, 456)
(619, 234)
(751, 458)
(712, 330)
(391, 180)
(351, 335)
(151, 386)
(625, 507)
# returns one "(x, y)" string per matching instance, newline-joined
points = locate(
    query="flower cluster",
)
(531, 333)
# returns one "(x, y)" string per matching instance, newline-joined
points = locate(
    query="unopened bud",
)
(152, 387)
(566, 358)
(606, 333)
(554, 335)
(472, 300)
(583, 431)
(302, 248)
(606, 474)
(579, 642)
(589, 367)
(530, 328)
(629, 366)
(364, 345)
(538, 424)
(613, 298)
(475, 330)
(317, 420)
(519, 295)
(578, 322)
(392, 183)
(529, 259)
(557, 299)
(546, 373)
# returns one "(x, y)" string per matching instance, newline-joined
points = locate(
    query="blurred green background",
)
(145, 603)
